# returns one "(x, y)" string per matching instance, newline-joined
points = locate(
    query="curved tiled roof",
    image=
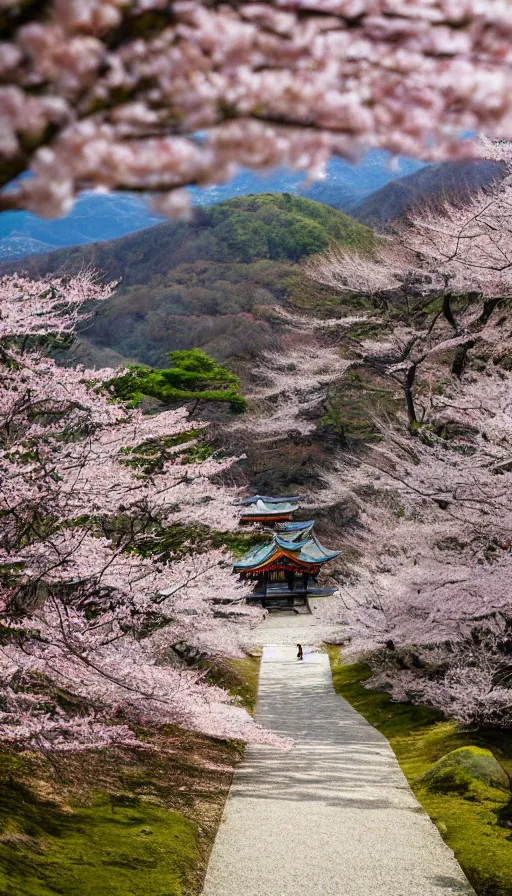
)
(307, 551)
(267, 508)
(270, 500)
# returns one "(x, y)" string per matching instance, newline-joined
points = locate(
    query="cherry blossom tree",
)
(448, 250)
(427, 597)
(86, 606)
(427, 600)
(433, 258)
(154, 95)
(56, 306)
(289, 384)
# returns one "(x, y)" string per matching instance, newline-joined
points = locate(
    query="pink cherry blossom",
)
(90, 100)
(426, 593)
(85, 606)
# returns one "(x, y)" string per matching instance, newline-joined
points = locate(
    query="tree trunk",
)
(489, 306)
(194, 409)
(409, 398)
(447, 310)
(459, 361)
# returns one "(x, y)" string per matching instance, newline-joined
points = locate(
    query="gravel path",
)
(282, 627)
(332, 817)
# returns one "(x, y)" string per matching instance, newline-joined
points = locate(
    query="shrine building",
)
(268, 510)
(285, 566)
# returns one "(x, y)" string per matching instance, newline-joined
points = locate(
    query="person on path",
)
(300, 655)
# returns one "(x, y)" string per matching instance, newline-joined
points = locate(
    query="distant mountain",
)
(207, 283)
(108, 216)
(344, 186)
(18, 245)
(431, 183)
(95, 216)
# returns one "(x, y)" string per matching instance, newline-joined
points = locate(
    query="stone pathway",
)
(282, 627)
(332, 817)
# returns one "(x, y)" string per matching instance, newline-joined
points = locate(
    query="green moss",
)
(120, 823)
(237, 542)
(469, 817)
(361, 331)
(154, 538)
(113, 822)
(465, 766)
(239, 677)
(305, 294)
(433, 306)
(179, 539)
(108, 848)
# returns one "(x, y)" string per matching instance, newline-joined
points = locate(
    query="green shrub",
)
(194, 375)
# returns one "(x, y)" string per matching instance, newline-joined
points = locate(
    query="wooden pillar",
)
(289, 577)
(264, 598)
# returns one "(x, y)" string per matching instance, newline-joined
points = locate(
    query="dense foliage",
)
(193, 376)
(430, 601)
(91, 613)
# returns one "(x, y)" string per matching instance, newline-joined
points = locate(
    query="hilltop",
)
(204, 283)
(98, 216)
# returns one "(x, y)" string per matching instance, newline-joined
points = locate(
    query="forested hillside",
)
(108, 216)
(205, 283)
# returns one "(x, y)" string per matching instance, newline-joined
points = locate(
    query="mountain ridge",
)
(432, 184)
(99, 216)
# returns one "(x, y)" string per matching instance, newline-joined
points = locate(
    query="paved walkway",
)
(335, 815)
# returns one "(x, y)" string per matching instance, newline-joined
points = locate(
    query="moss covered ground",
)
(469, 821)
(119, 822)
(101, 848)
(238, 676)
